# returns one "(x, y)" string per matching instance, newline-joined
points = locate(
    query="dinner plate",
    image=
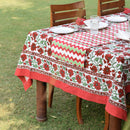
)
(124, 35)
(101, 25)
(116, 18)
(62, 30)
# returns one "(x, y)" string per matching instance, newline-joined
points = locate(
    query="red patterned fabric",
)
(72, 48)
(80, 21)
(127, 11)
(103, 79)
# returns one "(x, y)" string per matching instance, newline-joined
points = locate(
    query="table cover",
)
(104, 79)
(72, 48)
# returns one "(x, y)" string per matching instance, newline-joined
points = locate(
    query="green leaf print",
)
(84, 84)
(52, 71)
(101, 61)
(115, 98)
(67, 77)
(96, 59)
(73, 79)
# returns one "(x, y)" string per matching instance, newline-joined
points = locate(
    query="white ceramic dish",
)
(101, 24)
(62, 30)
(116, 19)
(123, 35)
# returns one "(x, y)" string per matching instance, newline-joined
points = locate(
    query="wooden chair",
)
(63, 14)
(106, 7)
(67, 13)
(107, 115)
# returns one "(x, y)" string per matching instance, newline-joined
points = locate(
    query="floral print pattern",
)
(106, 70)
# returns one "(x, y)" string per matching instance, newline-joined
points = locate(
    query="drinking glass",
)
(94, 24)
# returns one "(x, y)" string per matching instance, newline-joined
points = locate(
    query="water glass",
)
(94, 24)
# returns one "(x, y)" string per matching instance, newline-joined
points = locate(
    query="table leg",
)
(107, 120)
(41, 101)
(78, 109)
(115, 123)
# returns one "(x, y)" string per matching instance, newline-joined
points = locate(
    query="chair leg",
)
(128, 100)
(50, 98)
(78, 110)
(107, 119)
(114, 123)
(128, 106)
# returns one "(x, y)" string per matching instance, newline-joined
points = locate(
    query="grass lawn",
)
(17, 107)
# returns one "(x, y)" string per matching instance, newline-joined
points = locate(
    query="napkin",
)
(123, 35)
(80, 21)
(87, 22)
(127, 11)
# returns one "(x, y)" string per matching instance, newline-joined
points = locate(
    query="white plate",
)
(101, 24)
(124, 35)
(62, 30)
(116, 18)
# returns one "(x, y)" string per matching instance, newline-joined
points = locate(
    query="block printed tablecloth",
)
(103, 79)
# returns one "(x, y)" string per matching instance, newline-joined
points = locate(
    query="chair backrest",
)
(67, 13)
(106, 7)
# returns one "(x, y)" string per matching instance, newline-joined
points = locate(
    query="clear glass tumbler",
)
(94, 24)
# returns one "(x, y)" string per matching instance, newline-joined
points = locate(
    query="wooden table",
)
(115, 123)
(100, 83)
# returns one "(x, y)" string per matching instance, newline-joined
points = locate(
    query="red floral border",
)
(112, 108)
(74, 67)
